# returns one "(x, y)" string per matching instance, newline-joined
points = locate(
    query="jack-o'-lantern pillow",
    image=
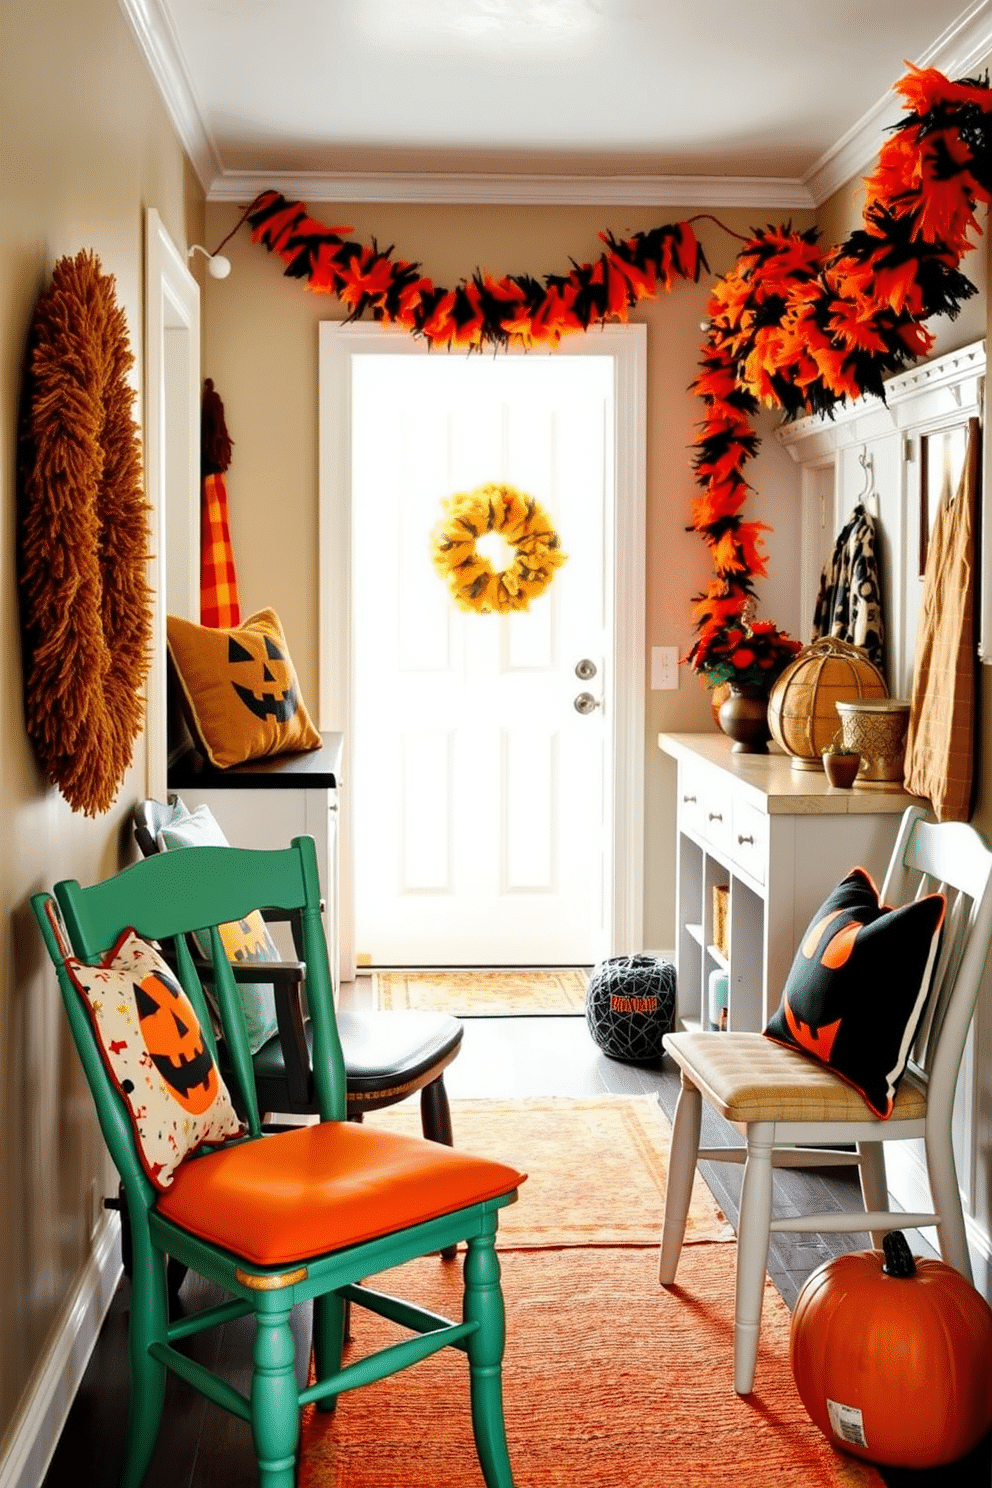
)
(858, 986)
(153, 1046)
(240, 689)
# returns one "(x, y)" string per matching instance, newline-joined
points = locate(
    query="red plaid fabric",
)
(219, 603)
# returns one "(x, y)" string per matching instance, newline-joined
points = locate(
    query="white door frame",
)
(172, 467)
(625, 581)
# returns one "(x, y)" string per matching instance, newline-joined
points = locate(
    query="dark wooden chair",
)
(273, 1220)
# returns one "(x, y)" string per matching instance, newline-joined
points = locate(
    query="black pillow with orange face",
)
(240, 689)
(858, 986)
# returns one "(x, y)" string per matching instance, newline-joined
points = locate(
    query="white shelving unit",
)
(780, 839)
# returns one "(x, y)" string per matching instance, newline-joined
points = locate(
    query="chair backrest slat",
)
(171, 894)
(950, 858)
(953, 937)
(235, 1030)
(189, 977)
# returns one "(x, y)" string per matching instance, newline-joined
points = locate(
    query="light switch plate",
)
(664, 668)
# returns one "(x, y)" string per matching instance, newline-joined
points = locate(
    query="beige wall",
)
(260, 347)
(86, 147)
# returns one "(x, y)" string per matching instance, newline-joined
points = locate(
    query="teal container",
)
(717, 999)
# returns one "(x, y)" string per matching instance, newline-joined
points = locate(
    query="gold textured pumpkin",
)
(802, 711)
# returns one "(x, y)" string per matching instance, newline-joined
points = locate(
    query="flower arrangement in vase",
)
(746, 656)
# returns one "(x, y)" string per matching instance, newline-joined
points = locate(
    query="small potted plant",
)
(841, 763)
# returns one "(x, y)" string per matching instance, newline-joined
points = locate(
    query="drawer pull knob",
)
(716, 816)
(689, 800)
(742, 840)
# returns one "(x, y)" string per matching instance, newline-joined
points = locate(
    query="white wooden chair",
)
(782, 1099)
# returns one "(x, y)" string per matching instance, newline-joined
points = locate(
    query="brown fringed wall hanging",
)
(85, 600)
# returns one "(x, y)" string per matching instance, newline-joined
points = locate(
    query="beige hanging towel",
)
(940, 742)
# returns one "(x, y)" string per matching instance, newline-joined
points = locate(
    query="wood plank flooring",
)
(200, 1446)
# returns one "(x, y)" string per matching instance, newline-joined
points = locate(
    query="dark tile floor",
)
(501, 1058)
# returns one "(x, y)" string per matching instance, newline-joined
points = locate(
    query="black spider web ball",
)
(630, 1006)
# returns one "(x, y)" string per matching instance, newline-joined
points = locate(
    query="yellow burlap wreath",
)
(522, 523)
(85, 600)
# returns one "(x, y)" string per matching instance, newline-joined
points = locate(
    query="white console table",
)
(779, 839)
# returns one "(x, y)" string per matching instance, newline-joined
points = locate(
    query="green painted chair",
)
(272, 1220)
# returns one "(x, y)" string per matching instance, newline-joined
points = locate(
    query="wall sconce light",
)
(218, 267)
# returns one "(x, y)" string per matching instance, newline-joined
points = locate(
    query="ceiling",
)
(767, 103)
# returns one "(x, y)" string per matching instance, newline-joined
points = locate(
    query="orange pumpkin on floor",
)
(892, 1356)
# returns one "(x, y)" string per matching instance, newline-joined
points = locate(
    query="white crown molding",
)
(956, 52)
(948, 371)
(160, 48)
(473, 189)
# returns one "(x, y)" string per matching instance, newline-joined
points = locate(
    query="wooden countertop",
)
(771, 783)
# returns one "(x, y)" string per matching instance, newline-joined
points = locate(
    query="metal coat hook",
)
(867, 463)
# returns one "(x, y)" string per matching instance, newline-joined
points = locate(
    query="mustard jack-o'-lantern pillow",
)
(858, 986)
(240, 689)
(153, 1046)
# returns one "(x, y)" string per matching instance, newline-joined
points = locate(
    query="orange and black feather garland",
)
(800, 330)
(791, 327)
(480, 311)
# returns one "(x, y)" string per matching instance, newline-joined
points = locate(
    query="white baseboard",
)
(28, 1446)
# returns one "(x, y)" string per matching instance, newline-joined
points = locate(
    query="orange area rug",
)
(610, 1381)
(484, 994)
(597, 1168)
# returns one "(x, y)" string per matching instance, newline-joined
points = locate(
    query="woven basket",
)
(721, 918)
(802, 705)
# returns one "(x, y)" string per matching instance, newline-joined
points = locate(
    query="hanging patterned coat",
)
(849, 604)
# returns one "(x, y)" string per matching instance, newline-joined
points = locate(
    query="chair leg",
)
(275, 1405)
(951, 1234)
(753, 1235)
(484, 1304)
(681, 1173)
(435, 1113)
(331, 1316)
(148, 1324)
(435, 1122)
(874, 1184)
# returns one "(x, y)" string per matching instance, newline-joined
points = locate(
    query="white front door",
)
(477, 787)
(484, 820)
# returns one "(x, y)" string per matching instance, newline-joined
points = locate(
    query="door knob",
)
(585, 669)
(586, 703)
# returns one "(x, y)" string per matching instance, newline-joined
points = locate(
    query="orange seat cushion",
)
(321, 1188)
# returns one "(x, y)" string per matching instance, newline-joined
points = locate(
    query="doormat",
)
(484, 994)
(608, 1377)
